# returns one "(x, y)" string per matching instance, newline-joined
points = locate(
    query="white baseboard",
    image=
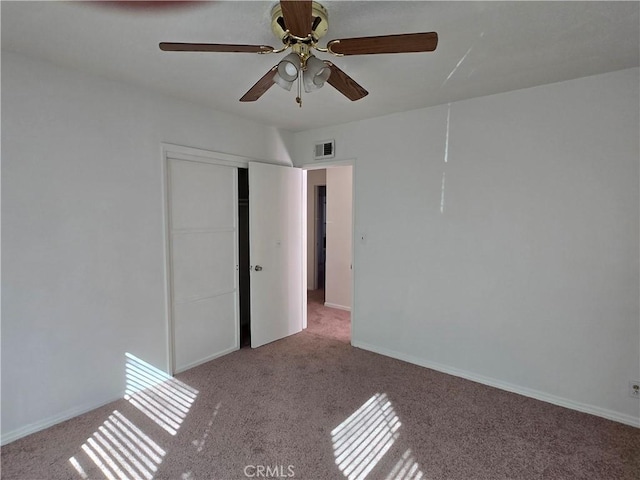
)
(74, 412)
(538, 395)
(527, 392)
(54, 420)
(335, 305)
(206, 359)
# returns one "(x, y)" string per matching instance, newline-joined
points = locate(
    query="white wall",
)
(339, 232)
(528, 278)
(82, 231)
(314, 179)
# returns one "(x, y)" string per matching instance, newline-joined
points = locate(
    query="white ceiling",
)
(484, 48)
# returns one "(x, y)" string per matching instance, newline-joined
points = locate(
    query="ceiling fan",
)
(300, 24)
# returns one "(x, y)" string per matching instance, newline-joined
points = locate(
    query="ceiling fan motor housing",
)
(319, 25)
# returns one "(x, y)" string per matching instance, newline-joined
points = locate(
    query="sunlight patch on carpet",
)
(362, 439)
(200, 443)
(407, 468)
(120, 450)
(162, 398)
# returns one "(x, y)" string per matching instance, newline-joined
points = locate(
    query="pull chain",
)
(299, 97)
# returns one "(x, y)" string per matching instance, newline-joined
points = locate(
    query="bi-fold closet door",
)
(202, 206)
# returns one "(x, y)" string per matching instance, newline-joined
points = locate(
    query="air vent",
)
(325, 149)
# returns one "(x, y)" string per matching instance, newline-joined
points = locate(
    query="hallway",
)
(327, 322)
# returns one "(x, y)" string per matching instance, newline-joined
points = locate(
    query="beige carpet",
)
(327, 322)
(313, 407)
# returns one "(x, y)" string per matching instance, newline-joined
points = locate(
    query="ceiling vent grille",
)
(325, 149)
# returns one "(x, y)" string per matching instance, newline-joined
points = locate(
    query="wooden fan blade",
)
(345, 84)
(213, 47)
(297, 16)
(403, 43)
(260, 87)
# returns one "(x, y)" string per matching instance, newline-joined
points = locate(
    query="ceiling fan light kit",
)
(300, 24)
(281, 82)
(289, 67)
(316, 74)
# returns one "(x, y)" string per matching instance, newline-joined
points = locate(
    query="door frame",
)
(320, 165)
(178, 152)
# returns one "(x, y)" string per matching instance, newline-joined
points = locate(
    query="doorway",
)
(329, 251)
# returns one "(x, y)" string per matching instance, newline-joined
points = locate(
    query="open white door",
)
(276, 223)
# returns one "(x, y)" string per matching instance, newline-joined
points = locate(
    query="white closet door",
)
(275, 211)
(204, 257)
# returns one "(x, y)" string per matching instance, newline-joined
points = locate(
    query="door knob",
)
(258, 268)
